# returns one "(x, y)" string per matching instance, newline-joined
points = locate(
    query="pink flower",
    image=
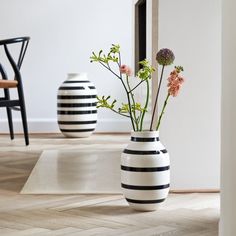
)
(174, 90)
(171, 78)
(180, 79)
(174, 73)
(124, 69)
(175, 82)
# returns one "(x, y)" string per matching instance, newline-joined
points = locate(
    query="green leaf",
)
(115, 48)
(104, 102)
(124, 108)
(146, 71)
(137, 107)
(100, 52)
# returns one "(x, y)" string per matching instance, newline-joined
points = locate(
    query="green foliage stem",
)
(103, 102)
(162, 111)
(157, 95)
(133, 105)
(144, 74)
(146, 105)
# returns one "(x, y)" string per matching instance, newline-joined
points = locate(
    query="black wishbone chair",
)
(16, 104)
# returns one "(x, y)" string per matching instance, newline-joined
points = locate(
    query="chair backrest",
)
(16, 65)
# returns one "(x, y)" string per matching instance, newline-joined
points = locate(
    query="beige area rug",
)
(69, 165)
(91, 171)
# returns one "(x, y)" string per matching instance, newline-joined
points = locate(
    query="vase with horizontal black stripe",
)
(145, 171)
(76, 106)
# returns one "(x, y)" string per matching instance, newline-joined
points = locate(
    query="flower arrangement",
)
(132, 109)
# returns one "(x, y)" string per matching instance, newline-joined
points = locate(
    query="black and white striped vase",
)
(145, 171)
(76, 106)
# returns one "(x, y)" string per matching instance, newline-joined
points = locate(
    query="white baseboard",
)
(50, 126)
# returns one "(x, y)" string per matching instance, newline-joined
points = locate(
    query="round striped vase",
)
(76, 106)
(145, 174)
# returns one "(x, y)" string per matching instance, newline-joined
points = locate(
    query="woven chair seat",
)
(8, 83)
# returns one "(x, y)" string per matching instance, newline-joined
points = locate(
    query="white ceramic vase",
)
(76, 106)
(145, 174)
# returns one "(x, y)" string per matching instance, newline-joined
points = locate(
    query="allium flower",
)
(124, 69)
(175, 82)
(165, 57)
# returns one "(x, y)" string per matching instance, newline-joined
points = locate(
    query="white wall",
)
(228, 154)
(63, 35)
(191, 126)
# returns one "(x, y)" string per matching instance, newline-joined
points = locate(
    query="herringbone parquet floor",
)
(83, 215)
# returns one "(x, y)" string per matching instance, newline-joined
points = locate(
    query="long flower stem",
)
(130, 112)
(145, 107)
(158, 91)
(107, 67)
(129, 103)
(131, 90)
(127, 93)
(126, 90)
(119, 113)
(132, 97)
(162, 111)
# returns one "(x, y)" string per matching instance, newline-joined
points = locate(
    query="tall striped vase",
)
(145, 174)
(76, 106)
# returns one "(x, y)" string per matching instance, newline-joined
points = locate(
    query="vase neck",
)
(144, 136)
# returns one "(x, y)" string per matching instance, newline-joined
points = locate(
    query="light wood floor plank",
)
(195, 214)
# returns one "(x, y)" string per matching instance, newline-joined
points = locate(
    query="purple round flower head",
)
(165, 57)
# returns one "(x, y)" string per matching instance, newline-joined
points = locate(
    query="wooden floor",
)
(41, 215)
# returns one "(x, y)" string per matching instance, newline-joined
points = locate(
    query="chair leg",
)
(9, 113)
(25, 126)
(10, 123)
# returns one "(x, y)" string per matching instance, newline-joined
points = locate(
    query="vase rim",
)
(75, 75)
